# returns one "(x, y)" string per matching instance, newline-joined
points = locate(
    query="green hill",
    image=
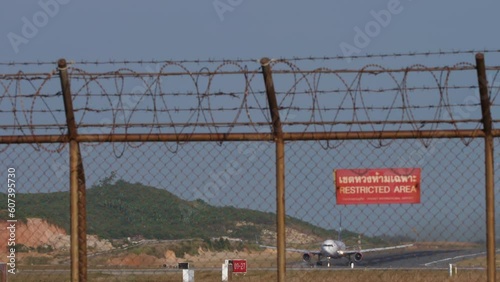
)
(122, 209)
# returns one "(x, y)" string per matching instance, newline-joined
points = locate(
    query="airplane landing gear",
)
(319, 262)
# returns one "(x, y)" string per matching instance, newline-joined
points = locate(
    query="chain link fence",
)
(179, 165)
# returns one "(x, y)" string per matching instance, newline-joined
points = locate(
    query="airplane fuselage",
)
(335, 249)
(332, 249)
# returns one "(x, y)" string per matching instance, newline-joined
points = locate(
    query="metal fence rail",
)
(261, 136)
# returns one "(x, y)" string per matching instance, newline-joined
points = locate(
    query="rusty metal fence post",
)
(280, 167)
(489, 166)
(415, 127)
(77, 185)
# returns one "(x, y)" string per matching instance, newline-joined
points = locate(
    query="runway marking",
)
(457, 257)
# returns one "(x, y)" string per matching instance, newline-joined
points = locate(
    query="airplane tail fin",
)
(340, 228)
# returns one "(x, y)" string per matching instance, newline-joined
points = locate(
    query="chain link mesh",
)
(153, 204)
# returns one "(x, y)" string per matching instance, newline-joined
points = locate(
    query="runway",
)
(408, 259)
(412, 259)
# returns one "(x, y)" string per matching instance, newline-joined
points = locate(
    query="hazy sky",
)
(50, 29)
(46, 30)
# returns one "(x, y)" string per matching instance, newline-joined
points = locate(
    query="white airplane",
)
(336, 249)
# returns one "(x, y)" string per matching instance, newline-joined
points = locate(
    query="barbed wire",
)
(257, 60)
(397, 55)
(227, 96)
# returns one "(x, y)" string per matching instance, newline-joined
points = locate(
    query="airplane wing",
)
(292, 250)
(350, 252)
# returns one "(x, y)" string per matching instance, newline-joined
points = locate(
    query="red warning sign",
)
(239, 266)
(377, 186)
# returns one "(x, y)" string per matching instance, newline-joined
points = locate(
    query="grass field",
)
(292, 276)
(260, 259)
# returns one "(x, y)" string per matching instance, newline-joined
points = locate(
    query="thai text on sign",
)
(377, 186)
